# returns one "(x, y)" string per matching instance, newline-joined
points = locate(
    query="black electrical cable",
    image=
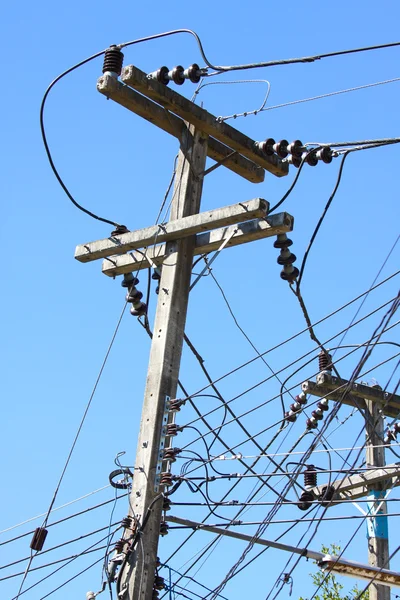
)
(294, 336)
(295, 180)
(288, 61)
(322, 217)
(46, 145)
(82, 512)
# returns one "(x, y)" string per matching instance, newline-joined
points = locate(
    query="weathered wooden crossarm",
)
(356, 486)
(355, 395)
(152, 112)
(202, 119)
(173, 230)
(205, 242)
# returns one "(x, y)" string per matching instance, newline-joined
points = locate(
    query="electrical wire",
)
(75, 441)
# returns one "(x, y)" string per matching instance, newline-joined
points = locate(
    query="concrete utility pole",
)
(379, 478)
(165, 356)
(172, 247)
(377, 524)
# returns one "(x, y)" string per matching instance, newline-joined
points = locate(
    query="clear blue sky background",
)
(59, 315)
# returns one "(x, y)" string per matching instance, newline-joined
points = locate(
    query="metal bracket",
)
(162, 443)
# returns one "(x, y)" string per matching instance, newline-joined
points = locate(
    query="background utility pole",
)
(377, 532)
(379, 478)
(165, 356)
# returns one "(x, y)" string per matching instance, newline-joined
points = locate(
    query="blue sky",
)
(59, 315)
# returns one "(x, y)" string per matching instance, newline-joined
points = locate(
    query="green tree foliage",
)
(328, 586)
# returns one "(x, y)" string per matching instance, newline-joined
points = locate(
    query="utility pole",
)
(377, 523)
(379, 478)
(171, 247)
(163, 371)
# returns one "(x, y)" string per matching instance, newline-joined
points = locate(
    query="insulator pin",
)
(38, 539)
(113, 61)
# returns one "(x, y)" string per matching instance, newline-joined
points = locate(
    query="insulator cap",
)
(324, 361)
(166, 478)
(193, 73)
(119, 545)
(325, 154)
(281, 148)
(301, 399)
(166, 504)
(290, 417)
(306, 500)
(327, 494)
(175, 405)
(323, 406)
(295, 407)
(126, 522)
(396, 428)
(317, 414)
(296, 148)
(133, 295)
(38, 539)
(310, 476)
(311, 424)
(286, 260)
(159, 582)
(282, 241)
(129, 280)
(119, 230)
(267, 146)
(310, 158)
(290, 276)
(177, 75)
(164, 528)
(162, 75)
(172, 429)
(139, 310)
(113, 60)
